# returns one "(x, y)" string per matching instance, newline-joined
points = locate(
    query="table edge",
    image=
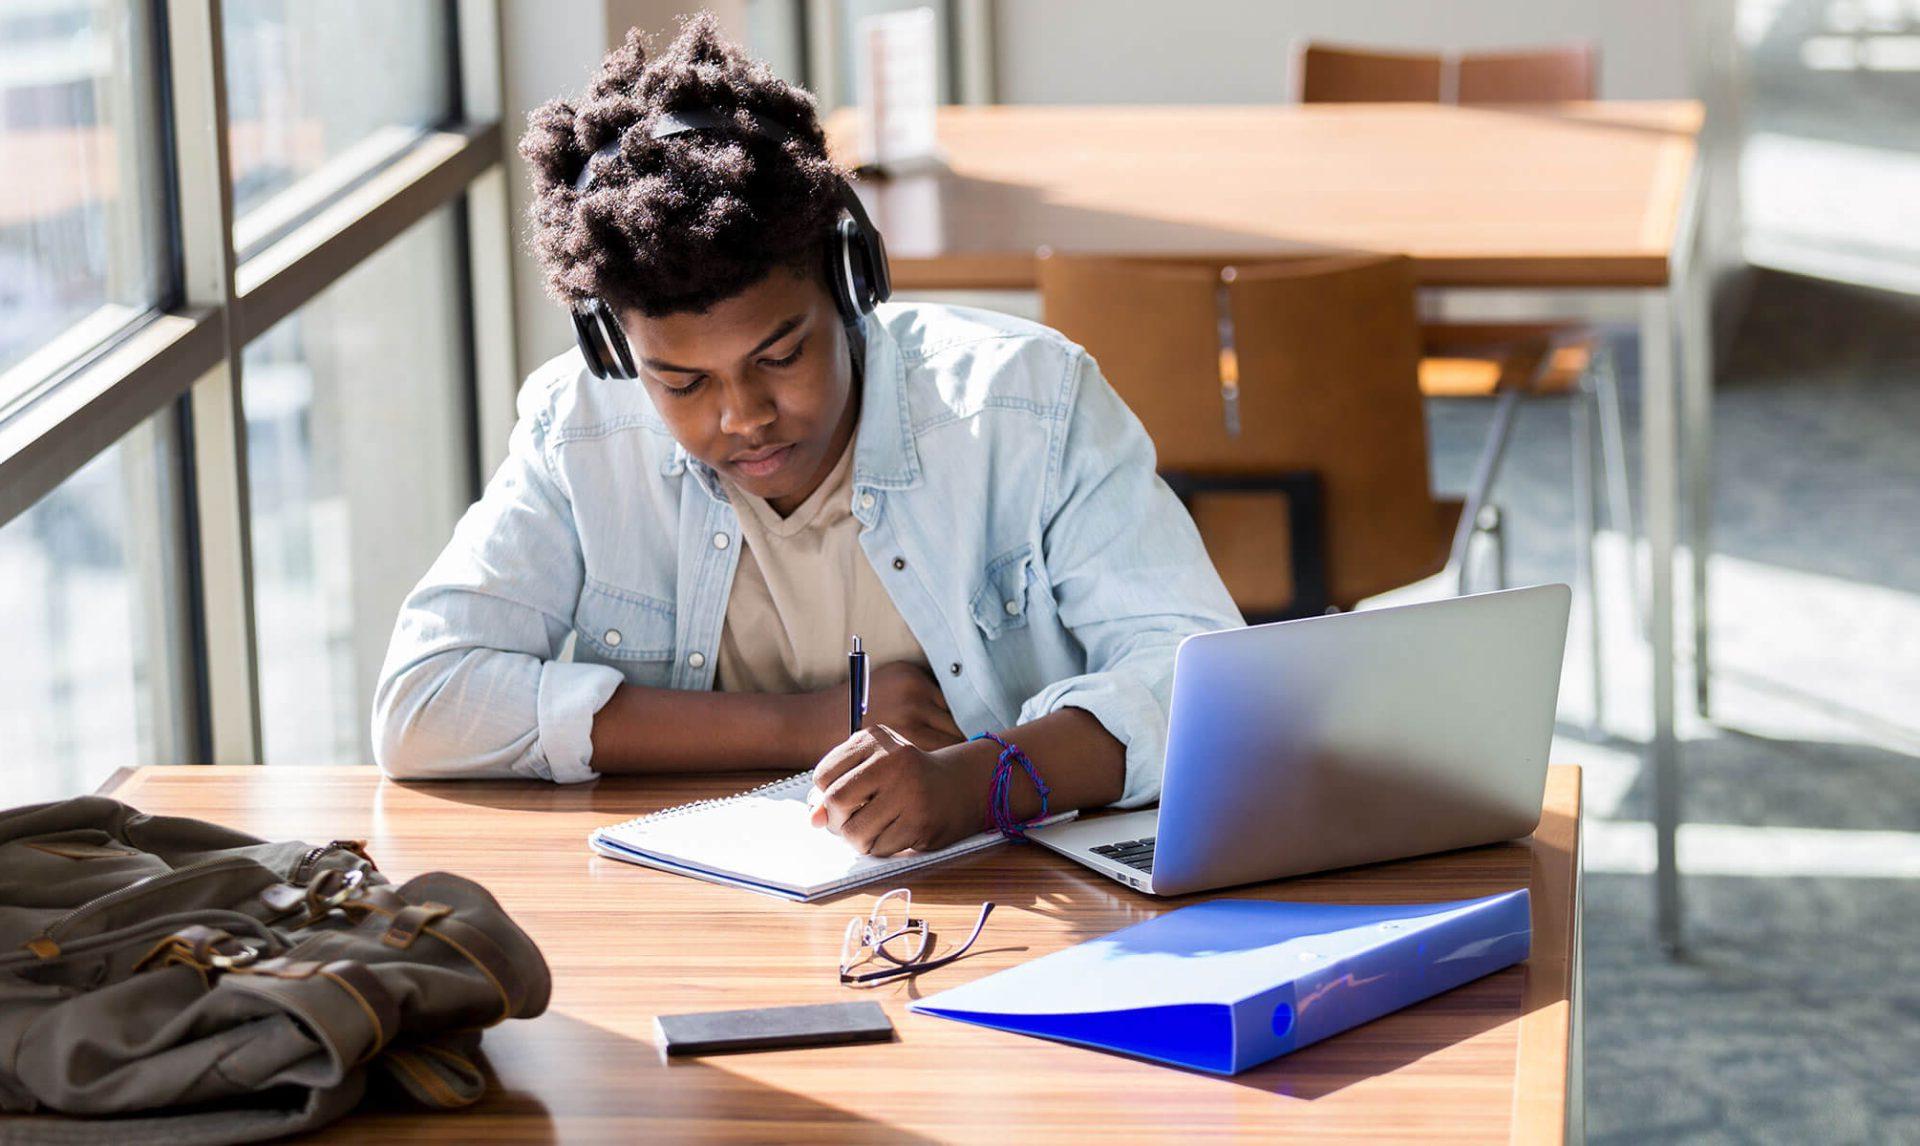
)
(1544, 1059)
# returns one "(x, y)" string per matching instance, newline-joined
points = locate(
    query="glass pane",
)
(320, 93)
(1830, 145)
(83, 591)
(357, 463)
(80, 237)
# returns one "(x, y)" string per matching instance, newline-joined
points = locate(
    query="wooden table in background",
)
(1562, 195)
(1495, 1060)
(1540, 203)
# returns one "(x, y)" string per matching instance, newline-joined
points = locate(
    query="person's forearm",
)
(1082, 763)
(676, 730)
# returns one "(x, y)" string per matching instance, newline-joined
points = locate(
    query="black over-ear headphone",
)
(856, 257)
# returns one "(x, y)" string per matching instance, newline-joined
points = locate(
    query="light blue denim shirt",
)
(1006, 497)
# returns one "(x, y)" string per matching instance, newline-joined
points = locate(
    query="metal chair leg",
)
(1485, 471)
(1586, 535)
(1495, 527)
(1613, 461)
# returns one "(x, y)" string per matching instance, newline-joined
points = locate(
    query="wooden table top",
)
(1569, 195)
(1486, 1062)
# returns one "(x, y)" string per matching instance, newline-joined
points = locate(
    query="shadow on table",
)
(618, 797)
(559, 1078)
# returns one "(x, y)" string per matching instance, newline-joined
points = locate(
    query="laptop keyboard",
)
(1136, 854)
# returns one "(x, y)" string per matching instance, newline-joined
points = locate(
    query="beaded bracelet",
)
(999, 792)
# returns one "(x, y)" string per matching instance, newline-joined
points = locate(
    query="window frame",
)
(182, 361)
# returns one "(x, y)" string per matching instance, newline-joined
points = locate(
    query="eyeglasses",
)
(891, 935)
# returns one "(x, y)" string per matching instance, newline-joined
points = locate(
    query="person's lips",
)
(764, 461)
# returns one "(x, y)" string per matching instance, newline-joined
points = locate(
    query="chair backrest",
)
(1335, 74)
(1329, 74)
(1543, 75)
(1321, 356)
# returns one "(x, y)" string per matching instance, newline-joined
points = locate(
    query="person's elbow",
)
(427, 726)
(407, 746)
(407, 754)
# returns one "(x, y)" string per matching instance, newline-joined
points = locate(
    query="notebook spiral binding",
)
(702, 805)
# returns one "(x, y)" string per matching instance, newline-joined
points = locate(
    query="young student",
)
(772, 464)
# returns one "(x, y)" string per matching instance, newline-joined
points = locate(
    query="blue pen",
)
(857, 684)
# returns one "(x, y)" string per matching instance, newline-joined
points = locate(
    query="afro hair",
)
(678, 224)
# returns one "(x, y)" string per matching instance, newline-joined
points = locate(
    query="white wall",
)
(1237, 51)
(552, 49)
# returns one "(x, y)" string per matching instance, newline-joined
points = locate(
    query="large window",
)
(83, 603)
(320, 94)
(81, 230)
(242, 244)
(358, 465)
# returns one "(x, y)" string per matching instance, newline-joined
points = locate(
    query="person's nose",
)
(746, 409)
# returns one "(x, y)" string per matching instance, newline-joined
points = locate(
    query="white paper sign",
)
(897, 79)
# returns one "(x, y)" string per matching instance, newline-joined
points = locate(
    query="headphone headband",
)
(671, 123)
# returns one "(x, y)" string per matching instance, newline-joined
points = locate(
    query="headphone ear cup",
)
(844, 272)
(602, 343)
(586, 332)
(873, 251)
(618, 354)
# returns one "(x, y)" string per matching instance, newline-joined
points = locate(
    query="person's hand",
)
(884, 795)
(901, 695)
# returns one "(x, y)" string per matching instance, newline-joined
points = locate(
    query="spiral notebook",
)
(762, 840)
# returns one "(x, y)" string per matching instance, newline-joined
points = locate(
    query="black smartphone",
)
(769, 1028)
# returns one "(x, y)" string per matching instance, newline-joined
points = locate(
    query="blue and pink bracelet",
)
(1000, 795)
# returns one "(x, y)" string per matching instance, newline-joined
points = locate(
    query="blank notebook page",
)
(762, 840)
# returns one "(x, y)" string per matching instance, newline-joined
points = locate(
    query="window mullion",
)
(496, 373)
(224, 571)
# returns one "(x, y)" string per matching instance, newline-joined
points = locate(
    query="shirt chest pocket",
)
(617, 625)
(1002, 601)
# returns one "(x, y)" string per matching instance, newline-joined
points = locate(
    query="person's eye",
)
(792, 357)
(683, 391)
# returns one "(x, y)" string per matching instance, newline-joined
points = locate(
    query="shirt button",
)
(866, 501)
(1013, 608)
(696, 659)
(954, 668)
(721, 541)
(899, 563)
(612, 638)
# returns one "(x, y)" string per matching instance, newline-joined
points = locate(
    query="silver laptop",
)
(1347, 739)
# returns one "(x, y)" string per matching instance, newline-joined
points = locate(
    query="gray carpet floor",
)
(1793, 1014)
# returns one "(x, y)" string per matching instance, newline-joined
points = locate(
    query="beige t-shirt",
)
(802, 589)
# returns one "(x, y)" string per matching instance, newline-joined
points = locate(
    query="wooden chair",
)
(1338, 74)
(1512, 361)
(1283, 402)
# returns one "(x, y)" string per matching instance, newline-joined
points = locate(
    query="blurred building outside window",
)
(82, 580)
(82, 241)
(319, 95)
(357, 467)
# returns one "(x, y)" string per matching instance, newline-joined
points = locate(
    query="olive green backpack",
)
(190, 983)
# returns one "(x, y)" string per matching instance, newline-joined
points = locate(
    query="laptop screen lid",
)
(1357, 737)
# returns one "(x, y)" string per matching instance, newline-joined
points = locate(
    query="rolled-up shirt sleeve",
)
(1131, 578)
(472, 686)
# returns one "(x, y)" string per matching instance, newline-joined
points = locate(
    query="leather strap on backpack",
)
(354, 1034)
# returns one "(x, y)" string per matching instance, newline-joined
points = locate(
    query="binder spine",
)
(1265, 1026)
(1419, 962)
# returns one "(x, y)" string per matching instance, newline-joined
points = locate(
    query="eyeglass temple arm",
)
(979, 925)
